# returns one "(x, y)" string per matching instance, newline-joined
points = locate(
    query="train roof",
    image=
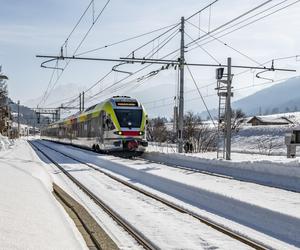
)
(116, 102)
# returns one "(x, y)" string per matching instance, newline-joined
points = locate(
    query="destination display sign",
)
(127, 104)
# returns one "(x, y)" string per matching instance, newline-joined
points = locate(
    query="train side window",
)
(85, 127)
(102, 119)
(109, 123)
(94, 126)
(80, 129)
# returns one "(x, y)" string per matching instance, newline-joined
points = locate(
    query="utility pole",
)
(34, 120)
(83, 101)
(175, 116)
(80, 102)
(18, 118)
(228, 111)
(181, 89)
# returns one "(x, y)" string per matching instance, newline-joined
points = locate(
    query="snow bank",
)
(30, 216)
(5, 143)
(267, 140)
(219, 196)
(276, 174)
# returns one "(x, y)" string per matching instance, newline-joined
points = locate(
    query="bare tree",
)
(157, 130)
(199, 137)
(266, 145)
(238, 118)
(190, 123)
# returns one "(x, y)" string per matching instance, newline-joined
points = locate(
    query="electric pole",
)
(18, 118)
(34, 122)
(181, 89)
(82, 101)
(228, 110)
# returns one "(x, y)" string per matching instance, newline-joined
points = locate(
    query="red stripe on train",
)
(131, 133)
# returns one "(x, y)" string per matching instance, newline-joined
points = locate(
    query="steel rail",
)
(139, 237)
(241, 238)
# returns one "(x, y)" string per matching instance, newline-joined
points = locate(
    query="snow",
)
(118, 235)
(30, 216)
(293, 116)
(147, 214)
(275, 171)
(251, 209)
(269, 215)
(5, 143)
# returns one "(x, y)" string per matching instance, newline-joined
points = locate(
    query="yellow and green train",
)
(117, 124)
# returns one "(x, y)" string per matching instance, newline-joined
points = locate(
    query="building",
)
(264, 121)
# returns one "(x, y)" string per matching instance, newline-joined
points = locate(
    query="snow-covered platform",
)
(30, 216)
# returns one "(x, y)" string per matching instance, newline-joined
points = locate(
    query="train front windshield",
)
(129, 118)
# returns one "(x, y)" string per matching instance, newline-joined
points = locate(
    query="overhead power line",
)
(224, 43)
(201, 10)
(233, 20)
(224, 25)
(166, 41)
(215, 94)
(78, 22)
(125, 40)
(201, 96)
(249, 23)
(79, 45)
(171, 28)
(209, 54)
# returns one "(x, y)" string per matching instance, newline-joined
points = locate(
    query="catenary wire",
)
(225, 44)
(217, 28)
(124, 40)
(77, 48)
(258, 19)
(207, 110)
(209, 54)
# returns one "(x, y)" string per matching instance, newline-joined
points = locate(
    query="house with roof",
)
(264, 121)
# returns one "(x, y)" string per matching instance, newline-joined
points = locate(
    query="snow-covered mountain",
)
(282, 97)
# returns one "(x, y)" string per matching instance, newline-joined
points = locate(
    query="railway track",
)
(140, 238)
(188, 168)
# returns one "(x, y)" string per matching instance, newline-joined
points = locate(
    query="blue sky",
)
(28, 28)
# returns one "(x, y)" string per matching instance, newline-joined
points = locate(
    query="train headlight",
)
(141, 133)
(118, 133)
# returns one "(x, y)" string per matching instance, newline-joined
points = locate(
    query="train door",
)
(100, 129)
(108, 127)
(105, 126)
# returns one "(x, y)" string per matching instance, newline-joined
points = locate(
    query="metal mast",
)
(228, 110)
(181, 89)
(19, 119)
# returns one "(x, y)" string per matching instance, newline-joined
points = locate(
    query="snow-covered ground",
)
(164, 226)
(258, 155)
(5, 143)
(267, 140)
(264, 140)
(251, 209)
(275, 171)
(30, 216)
(268, 215)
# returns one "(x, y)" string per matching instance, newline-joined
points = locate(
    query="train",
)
(116, 125)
